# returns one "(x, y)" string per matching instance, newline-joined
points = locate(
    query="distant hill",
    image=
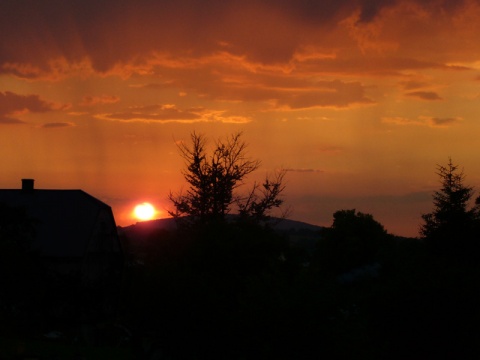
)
(299, 234)
(294, 225)
(158, 224)
(282, 225)
(136, 237)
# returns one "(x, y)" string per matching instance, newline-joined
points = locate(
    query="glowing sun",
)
(144, 211)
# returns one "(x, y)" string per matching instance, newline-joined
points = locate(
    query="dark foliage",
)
(354, 240)
(213, 178)
(238, 289)
(219, 290)
(452, 227)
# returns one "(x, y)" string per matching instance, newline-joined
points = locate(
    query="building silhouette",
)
(74, 236)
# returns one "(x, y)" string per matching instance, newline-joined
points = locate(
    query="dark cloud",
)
(425, 95)
(422, 121)
(11, 102)
(444, 121)
(9, 121)
(328, 11)
(108, 33)
(413, 85)
(370, 9)
(372, 65)
(12, 105)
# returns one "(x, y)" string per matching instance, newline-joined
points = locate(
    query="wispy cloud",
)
(335, 94)
(443, 122)
(398, 120)
(422, 121)
(154, 113)
(171, 113)
(56, 125)
(12, 106)
(10, 121)
(103, 99)
(413, 84)
(424, 95)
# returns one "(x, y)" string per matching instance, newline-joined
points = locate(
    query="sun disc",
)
(144, 211)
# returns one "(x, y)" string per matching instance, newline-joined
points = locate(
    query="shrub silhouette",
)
(355, 239)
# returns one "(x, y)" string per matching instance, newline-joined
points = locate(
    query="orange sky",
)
(358, 99)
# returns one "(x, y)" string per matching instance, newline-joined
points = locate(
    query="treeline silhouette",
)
(237, 289)
(245, 292)
(221, 286)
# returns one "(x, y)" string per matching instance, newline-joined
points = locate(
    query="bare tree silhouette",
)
(214, 177)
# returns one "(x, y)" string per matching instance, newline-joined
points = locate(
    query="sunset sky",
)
(358, 99)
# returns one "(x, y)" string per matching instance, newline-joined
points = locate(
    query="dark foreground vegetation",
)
(241, 292)
(234, 287)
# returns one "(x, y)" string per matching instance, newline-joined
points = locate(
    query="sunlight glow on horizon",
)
(144, 211)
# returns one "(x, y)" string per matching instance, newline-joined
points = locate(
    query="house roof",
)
(63, 220)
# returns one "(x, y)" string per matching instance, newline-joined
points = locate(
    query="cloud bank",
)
(12, 105)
